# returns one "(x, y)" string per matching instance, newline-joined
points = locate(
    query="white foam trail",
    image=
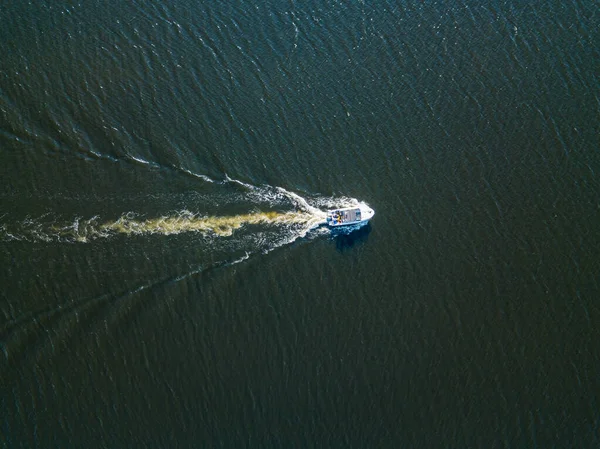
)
(241, 259)
(237, 181)
(336, 203)
(141, 161)
(271, 195)
(196, 175)
(301, 202)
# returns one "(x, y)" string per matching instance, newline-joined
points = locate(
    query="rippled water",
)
(167, 280)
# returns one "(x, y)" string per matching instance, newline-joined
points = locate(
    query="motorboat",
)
(360, 214)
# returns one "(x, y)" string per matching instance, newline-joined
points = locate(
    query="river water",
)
(165, 166)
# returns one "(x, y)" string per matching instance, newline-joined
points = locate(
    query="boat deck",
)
(344, 216)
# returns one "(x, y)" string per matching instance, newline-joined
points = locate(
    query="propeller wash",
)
(273, 217)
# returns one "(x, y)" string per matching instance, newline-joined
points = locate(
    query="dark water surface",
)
(164, 165)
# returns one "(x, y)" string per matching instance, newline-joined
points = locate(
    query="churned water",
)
(166, 278)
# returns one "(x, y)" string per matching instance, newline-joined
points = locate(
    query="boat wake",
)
(241, 219)
(86, 230)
